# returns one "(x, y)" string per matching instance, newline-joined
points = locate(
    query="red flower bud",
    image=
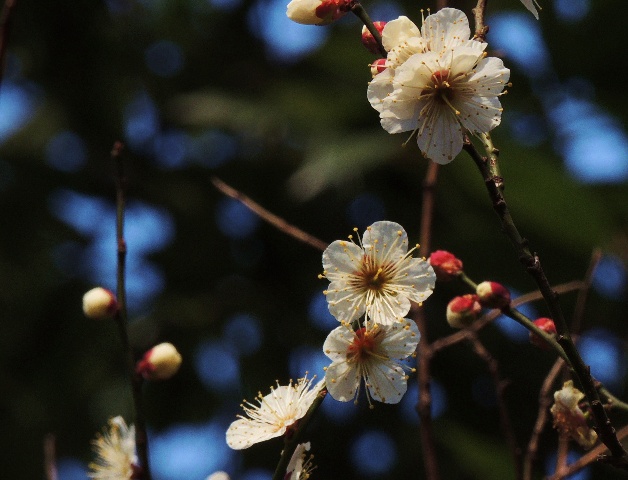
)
(378, 66)
(548, 326)
(493, 295)
(445, 264)
(368, 40)
(463, 311)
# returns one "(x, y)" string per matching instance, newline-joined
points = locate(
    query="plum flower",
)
(369, 356)
(300, 466)
(274, 414)
(115, 450)
(378, 277)
(569, 419)
(437, 94)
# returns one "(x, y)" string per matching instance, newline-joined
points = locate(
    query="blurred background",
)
(232, 88)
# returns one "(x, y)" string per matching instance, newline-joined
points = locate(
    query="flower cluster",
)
(438, 83)
(569, 418)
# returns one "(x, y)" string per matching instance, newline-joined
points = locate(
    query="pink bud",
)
(463, 311)
(445, 264)
(378, 66)
(493, 295)
(99, 303)
(160, 363)
(368, 40)
(548, 326)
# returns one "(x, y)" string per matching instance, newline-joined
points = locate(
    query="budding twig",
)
(532, 264)
(121, 316)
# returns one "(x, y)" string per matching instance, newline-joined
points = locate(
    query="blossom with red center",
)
(379, 277)
(369, 356)
(446, 265)
(317, 12)
(439, 85)
(115, 450)
(274, 414)
(569, 419)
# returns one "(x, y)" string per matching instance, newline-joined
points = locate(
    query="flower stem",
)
(121, 317)
(292, 442)
(358, 10)
(532, 264)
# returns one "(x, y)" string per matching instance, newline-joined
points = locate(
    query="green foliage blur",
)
(307, 143)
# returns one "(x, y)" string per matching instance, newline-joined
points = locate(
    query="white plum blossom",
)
(438, 94)
(274, 414)
(115, 450)
(369, 356)
(379, 277)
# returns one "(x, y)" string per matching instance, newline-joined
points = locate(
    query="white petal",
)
(441, 138)
(489, 77)
(337, 343)
(529, 4)
(389, 238)
(446, 29)
(379, 88)
(464, 58)
(342, 381)
(386, 382)
(244, 433)
(401, 339)
(399, 31)
(342, 256)
(481, 114)
(345, 303)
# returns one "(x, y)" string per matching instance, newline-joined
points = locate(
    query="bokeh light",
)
(243, 333)
(234, 219)
(66, 151)
(609, 278)
(319, 314)
(164, 58)
(603, 351)
(217, 366)
(362, 453)
(411, 399)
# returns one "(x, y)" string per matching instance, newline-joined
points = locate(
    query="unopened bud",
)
(548, 326)
(493, 295)
(445, 264)
(219, 476)
(368, 40)
(160, 363)
(463, 311)
(99, 303)
(317, 12)
(378, 66)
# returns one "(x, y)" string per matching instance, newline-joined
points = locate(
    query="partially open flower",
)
(548, 326)
(368, 40)
(569, 419)
(446, 265)
(300, 466)
(463, 311)
(274, 414)
(493, 295)
(160, 363)
(378, 66)
(115, 450)
(99, 303)
(317, 12)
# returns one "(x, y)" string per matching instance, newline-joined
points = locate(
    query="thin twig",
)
(268, 216)
(545, 400)
(500, 385)
(588, 458)
(50, 457)
(480, 29)
(532, 264)
(358, 10)
(121, 317)
(424, 355)
(581, 299)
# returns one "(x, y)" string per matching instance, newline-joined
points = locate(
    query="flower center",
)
(442, 88)
(364, 343)
(372, 277)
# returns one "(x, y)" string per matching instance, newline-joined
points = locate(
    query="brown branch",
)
(269, 217)
(532, 264)
(424, 377)
(545, 400)
(5, 27)
(588, 458)
(500, 386)
(480, 29)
